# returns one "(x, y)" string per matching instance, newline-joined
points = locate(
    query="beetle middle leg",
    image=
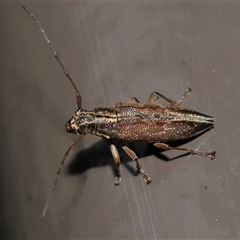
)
(155, 96)
(210, 154)
(133, 100)
(117, 161)
(134, 157)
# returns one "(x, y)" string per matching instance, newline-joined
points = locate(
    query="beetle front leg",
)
(133, 100)
(155, 96)
(117, 161)
(134, 157)
(210, 154)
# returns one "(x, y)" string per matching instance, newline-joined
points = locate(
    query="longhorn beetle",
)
(133, 121)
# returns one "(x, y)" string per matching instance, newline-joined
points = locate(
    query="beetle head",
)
(81, 123)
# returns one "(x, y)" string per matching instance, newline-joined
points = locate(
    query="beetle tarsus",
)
(117, 180)
(210, 154)
(146, 178)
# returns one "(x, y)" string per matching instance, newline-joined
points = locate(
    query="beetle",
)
(133, 121)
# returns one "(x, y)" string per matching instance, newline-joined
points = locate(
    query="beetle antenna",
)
(78, 95)
(57, 176)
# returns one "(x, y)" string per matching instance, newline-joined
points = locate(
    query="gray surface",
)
(115, 51)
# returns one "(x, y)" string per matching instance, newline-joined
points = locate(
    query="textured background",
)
(115, 51)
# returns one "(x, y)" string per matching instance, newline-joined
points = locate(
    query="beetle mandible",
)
(133, 121)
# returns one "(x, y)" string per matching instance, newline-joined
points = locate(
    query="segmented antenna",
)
(79, 100)
(78, 95)
(57, 177)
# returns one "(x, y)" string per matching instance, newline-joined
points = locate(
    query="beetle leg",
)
(155, 96)
(185, 94)
(134, 157)
(210, 154)
(133, 100)
(117, 161)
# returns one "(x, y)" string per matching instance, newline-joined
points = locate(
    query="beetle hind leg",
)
(154, 97)
(210, 154)
(185, 94)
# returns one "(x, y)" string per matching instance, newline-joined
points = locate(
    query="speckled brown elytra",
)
(133, 121)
